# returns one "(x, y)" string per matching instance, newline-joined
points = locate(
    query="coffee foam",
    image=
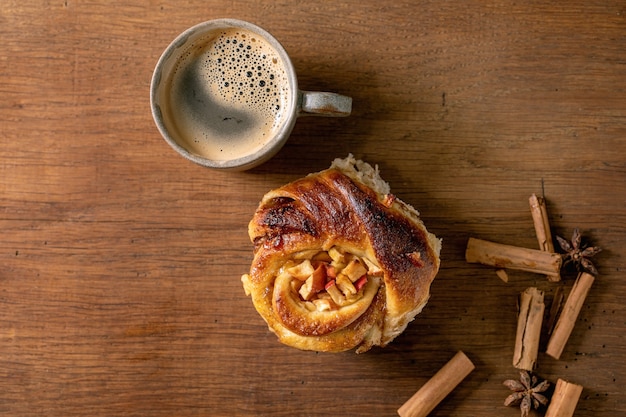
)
(248, 72)
(229, 94)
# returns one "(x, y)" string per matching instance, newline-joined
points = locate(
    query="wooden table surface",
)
(120, 261)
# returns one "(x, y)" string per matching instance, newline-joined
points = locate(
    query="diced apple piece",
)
(310, 306)
(335, 293)
(360, 283)
(336, 255)
(318, 278)
(345, 285)
(354, 270)
(301, 271)
(372, 268)
(331, 271)
(313, 284)
(306, 292)
(338, 266)
(323, 304)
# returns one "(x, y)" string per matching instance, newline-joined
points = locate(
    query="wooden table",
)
(120, 261)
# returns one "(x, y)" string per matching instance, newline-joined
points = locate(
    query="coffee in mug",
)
(225, 95)
(229, 94)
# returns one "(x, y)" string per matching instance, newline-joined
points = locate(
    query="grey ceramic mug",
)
(224, 95)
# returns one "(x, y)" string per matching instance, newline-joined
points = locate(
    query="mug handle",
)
(317, 103)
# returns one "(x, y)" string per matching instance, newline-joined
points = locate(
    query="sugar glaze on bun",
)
(339, 262)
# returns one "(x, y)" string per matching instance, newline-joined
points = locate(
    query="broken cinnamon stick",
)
(501, 273)
(539, 213)
(513, 257)
(528, 329)
(438, 387)
(564, 399)
(569, 314)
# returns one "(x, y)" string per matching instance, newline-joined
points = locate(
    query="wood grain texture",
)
(120, 261)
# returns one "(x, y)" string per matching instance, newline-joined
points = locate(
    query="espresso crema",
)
(229, 94)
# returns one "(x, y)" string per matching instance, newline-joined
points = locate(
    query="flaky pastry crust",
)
(344, 224)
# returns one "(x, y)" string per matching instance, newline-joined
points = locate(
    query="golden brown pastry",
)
(339, 262)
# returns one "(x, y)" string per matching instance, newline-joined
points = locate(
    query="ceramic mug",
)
(224, 94)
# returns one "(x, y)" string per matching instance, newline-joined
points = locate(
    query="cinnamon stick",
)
(564, 399)
(539, 213)
(555, 310)
(528, 329)
(438, 387)
(571, 310)
(513, 257)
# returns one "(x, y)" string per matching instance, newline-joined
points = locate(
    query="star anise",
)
(578, 253)
(527, 392)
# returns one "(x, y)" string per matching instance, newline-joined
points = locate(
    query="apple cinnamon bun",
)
(339, 262)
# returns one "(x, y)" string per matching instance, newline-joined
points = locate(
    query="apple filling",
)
(319, 292)
(329, 280)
